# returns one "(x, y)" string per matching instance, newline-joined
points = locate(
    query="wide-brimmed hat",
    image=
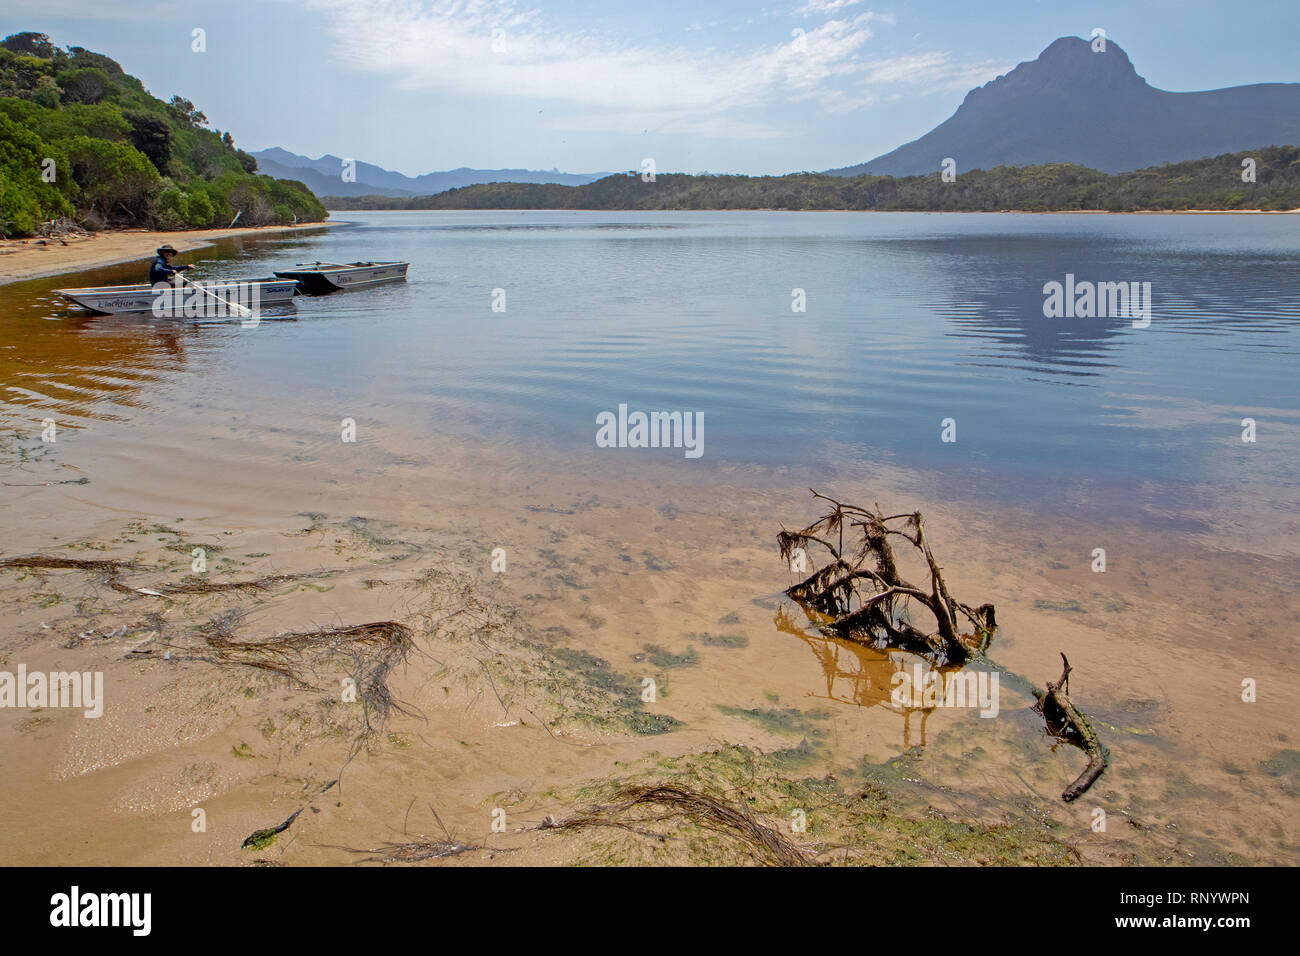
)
(166, 247)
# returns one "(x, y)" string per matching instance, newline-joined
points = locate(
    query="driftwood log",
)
(1065, 721)
(860, 593)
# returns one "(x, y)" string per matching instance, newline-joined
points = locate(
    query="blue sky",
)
(418, 85)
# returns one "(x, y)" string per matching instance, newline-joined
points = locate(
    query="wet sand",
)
(672, 575)
(37, 258)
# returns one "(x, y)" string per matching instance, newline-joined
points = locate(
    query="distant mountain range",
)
(323, 176)
(1074, 105)
(1070, 105)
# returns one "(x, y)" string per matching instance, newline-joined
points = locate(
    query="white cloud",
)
(934, 70)
(608, 84)
(815, 8)
(630, 122)
(824, 6)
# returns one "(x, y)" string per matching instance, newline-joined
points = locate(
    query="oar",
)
(235, 307)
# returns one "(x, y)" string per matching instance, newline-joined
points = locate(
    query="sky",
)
(696, 85)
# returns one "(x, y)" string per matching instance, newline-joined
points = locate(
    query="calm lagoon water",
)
(1101, 435)
(910, 319)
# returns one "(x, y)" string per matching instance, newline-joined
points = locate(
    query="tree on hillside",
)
(46, 92)
(84, 85)
(186, 112)
(80, 56)
(152, 135)
(29, 44)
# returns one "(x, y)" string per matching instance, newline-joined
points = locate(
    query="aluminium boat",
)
(114, 299)
(322, 278)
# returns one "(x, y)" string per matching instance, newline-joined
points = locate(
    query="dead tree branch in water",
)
(860, 594)
(1066, 722)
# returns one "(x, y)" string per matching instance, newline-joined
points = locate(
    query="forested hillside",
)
(1214, 183)
(81, 138)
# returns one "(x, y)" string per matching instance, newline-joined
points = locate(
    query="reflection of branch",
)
(870, 679)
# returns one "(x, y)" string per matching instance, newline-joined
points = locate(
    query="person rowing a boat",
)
(162, 269)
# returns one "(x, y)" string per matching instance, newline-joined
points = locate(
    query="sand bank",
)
(37, 258)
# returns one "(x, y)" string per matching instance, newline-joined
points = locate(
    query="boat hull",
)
(324, 278)
(114, 300)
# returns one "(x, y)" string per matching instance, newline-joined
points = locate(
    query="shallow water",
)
(911, 319)
(476, 429)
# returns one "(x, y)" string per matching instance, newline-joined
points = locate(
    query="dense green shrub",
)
(111, 177)
(178, 209)
(26, 198)
(85, 85)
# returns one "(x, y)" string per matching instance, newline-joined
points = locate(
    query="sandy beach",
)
(37, 258)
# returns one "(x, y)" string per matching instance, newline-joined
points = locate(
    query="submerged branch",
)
(1066, 721)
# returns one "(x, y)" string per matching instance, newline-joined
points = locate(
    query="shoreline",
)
(23, 259)
(910, 212)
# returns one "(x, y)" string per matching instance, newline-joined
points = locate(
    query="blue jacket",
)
(160, 271)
